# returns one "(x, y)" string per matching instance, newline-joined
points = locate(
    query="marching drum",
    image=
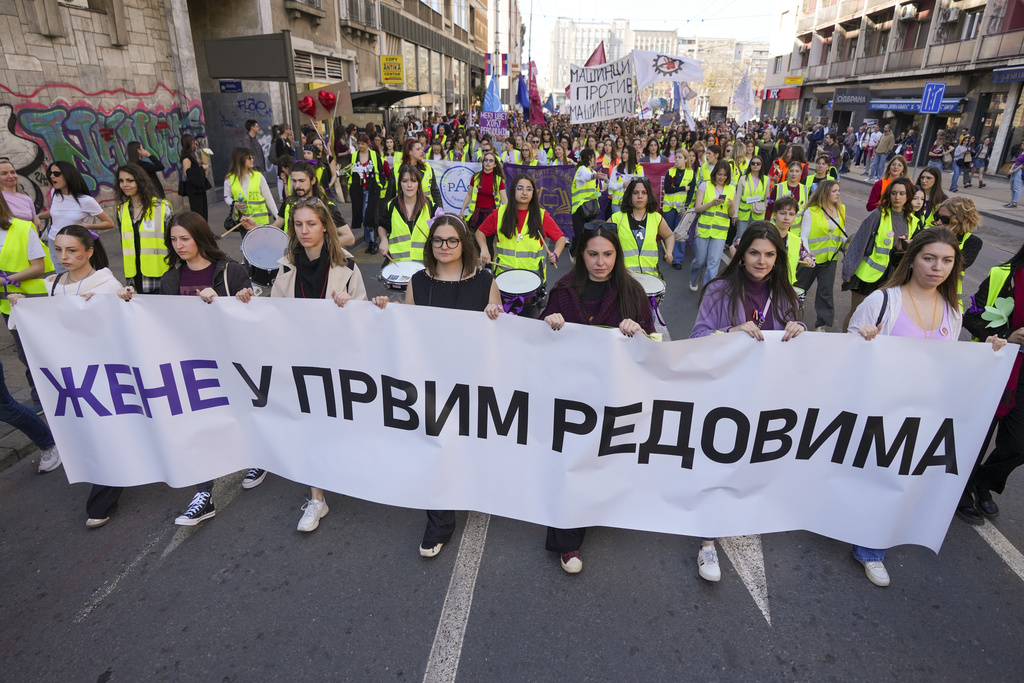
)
(398, 274)
(262, 248)
(654, 288)
(519, 289)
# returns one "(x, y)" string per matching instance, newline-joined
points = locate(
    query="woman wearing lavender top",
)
(753, 294)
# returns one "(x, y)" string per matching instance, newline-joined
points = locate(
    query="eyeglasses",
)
(488, 161)
(55, 174)
(598, 225)
(438, 242)
(755, 163)
(944, 218)
(524, 188)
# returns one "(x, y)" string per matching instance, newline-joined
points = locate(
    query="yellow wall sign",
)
(391, 70)
(790, 80)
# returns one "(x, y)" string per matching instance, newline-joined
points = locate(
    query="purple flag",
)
(555, 186)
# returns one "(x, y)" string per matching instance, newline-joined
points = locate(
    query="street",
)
(246, 597)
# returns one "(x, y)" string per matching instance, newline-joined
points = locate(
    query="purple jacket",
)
(715, 316)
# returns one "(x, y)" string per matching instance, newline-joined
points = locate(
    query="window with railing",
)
(316, 4)
(362, 12)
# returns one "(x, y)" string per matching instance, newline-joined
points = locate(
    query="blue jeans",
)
(706, 252)
(877, 166)
(957, 170)
(862, 554)
(20, 417)
(672, 218)
(369, 233)
(1016, 180)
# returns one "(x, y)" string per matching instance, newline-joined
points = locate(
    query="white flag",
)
(688, 115)
(653, 67)
(744, 99)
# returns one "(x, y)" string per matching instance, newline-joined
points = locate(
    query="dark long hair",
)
(721, 164)
(510, 221)
(73, 181)
(314, 183)
(627, 198)
(99, 259)
(784, 300)
(470, 250)
(937, 235)
(201, 234)
(632, 300)
(188, 146)
(144, 186)
(421, 197)
(134, 155)
(586, 156)
(884, 203)
(937, 196)
(629, 163)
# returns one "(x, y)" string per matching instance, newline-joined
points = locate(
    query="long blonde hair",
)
(820, 198)
(331, 241)
(964, 215)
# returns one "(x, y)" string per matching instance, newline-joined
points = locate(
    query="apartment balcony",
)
(873, 64)
(826, 15)
(951, 53)
(850, 8)
(872, 5)
(359, 18)
(818, 72)
(841, 69)
(906, 59)
(310, 9)
(1002, 45)
(805, 24)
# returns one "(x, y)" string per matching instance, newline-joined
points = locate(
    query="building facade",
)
(857, 61)
(572, 42)
(506, 36)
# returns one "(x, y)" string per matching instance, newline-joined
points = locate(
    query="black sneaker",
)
(199, 509)
(253, 478)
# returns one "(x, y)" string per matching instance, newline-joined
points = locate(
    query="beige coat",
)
(339, 279)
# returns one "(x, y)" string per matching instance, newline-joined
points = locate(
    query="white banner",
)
(601, 93)
(654, 67)
(438, 409)
(453, 180)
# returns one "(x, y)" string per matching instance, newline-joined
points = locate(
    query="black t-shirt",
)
(471, 294)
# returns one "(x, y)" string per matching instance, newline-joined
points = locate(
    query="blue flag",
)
(550, 104)
(492, 100)
(523, 98)
(677, 97)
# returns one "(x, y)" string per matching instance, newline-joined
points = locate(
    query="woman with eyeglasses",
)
(452, 279)
(597, 291)
(70, 204)
(314, 266)
(477, 205)
(247, 193)
(960, 216)
(520, 235)
(752, 190)
(640, 227)
(878, 245)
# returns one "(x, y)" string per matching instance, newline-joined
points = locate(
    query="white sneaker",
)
(876, 573)
(49, 460)
(707, 563)
(431, 551)
(94, 523)
(314, 510)
(693, 288)
(821, 328)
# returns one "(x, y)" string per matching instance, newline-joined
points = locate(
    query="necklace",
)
(64, 287)
(931, 330)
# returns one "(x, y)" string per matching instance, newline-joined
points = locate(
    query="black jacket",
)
(238, 278)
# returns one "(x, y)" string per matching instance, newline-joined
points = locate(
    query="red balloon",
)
(307, 105)
(327, 99)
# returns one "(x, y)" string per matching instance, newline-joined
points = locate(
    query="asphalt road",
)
(245, 597)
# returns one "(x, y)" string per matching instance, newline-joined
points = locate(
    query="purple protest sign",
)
(555, 186)
(494, 122)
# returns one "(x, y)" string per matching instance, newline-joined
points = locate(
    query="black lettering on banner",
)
(948, 460)
(388, 386)
(682, 446)
(764, 435)
(609, 431)
(69, 392)
(118, 390)
(518, 407)
(194, 385)
(707, 437)
(844, 423)
(168, 390)
(563, 426)
(260, 392)
(435, 422)
(299, 373)
(874, 433)
(348, 397)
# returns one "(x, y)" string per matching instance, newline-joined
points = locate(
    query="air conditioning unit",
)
(802, 49)
(908, 12)
(951, 15)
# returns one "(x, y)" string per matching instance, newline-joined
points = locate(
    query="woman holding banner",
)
(477, 205)
(314, 266)
(598, 291)
(452, 279)
(920, 300)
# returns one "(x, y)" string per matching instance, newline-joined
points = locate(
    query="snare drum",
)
(262, 248)
(398, 274)
(519, 289)
(654, 288)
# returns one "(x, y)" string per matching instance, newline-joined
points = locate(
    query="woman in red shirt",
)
(486, 191)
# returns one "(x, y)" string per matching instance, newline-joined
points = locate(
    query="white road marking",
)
(101, 593)
(443, 663)
(747, 557)
(1003, 547)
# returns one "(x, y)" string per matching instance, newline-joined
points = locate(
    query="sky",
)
(741, 19)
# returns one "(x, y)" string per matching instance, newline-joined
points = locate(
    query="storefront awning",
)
(1008, 74)
(382, 97)
(949, 104)
(791, 93)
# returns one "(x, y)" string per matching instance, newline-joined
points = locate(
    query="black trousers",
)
(1008, 454)
(440, 527)
(102, 500)
(197, 202)
(824, 305)
(564, 540)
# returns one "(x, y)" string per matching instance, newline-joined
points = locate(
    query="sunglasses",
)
(55, 174)
(598, 225)
(944, 218)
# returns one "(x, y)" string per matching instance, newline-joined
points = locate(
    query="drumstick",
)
(233, 229)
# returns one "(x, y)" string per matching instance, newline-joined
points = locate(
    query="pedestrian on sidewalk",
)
(960, 153)
(1015, 174)
(883, 150)
(982, 153)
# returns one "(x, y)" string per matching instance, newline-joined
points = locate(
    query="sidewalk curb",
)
(12, 456)
(988, 213)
